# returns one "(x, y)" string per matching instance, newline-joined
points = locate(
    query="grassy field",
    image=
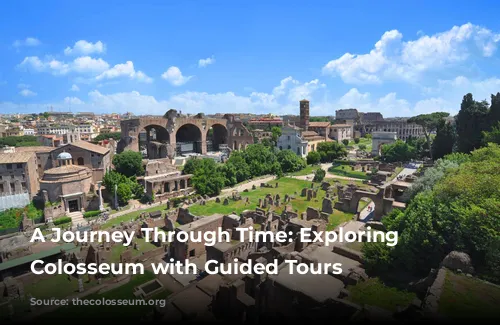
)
(345, 170)
(118, 249)
(469, 298)
(365, 141)
(286, 185)
(130, 216)
(373, 292)
(107, 312)
(310, 169)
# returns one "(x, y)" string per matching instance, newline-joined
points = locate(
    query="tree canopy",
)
(397, 151)
(460, 212)
(429, 123)
(129, 163)
(331, 150)
(290, 162)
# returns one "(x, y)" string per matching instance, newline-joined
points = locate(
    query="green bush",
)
(62, 220)
(90, 214)
(319, 175)
(356, 140)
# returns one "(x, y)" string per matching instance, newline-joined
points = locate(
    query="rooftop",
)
(14, 158)
(89, 147)
(319, 124)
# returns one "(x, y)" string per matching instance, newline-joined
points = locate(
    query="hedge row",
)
(90, 214)
(62, 220)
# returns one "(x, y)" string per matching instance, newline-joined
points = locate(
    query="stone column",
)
(101, 204)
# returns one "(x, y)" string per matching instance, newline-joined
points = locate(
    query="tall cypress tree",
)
(471, 121)
(444, 141)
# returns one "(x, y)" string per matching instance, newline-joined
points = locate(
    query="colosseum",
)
(177, 135)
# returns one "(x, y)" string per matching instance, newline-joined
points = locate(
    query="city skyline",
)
(227, 58)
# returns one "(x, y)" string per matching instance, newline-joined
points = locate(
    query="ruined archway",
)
(188, 139)
(151, 139)
(217, 135)
(365, 209)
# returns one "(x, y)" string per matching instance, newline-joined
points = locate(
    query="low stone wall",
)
(431, 301)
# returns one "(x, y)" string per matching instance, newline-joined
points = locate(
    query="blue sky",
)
(401, 58)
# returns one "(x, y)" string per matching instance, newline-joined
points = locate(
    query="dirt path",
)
(248, 186)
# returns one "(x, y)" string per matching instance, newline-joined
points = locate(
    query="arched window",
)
(80, 161)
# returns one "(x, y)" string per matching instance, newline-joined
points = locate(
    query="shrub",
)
(90, 214)
(319, 175)
(356, 140)
(313, 158)
(62, 220)
(345, 142)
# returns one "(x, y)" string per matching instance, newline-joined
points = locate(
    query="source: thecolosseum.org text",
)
(97, 302)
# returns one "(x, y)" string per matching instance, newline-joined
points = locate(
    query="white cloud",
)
(73, 101)
(391, 58)
(86, 65)
(29, 41)
(124, 70)
(74, 88)
(204, 62)
(175, 77)
(23, 86)
(83, 47)
(27, 93)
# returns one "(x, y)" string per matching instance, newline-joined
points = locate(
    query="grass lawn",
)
(286, 185)
(374, 292)
(345, 170)
(310, 169)
(130, 216)
(129, 313)
(118, 249)
(57, 286)
(469, 298)
(365, 141)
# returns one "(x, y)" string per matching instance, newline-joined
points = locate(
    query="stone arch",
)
(217, 135)
(80, 161)
(151, 136)
(188, 139)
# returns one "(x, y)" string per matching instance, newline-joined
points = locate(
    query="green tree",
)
(429, 123)
(356, 140)
(494, 113)
(345, 142)
(367, 136)
(331, 150)
(276, 131)
(289, 161)
(207, 178)
(460, 212)
(261, 160)
(319, 175)
(129, 163)
(242, 170)
(124, 194)
(397, 151)
(46, 115)
(191, 165)
(444, 141)
(470, 122)
(313, 158)
(362, 147)
(492, 136)
(105, 136)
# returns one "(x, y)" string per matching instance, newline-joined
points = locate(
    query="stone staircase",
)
(77, 218)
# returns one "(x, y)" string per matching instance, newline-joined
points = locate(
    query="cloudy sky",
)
(398, 57)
